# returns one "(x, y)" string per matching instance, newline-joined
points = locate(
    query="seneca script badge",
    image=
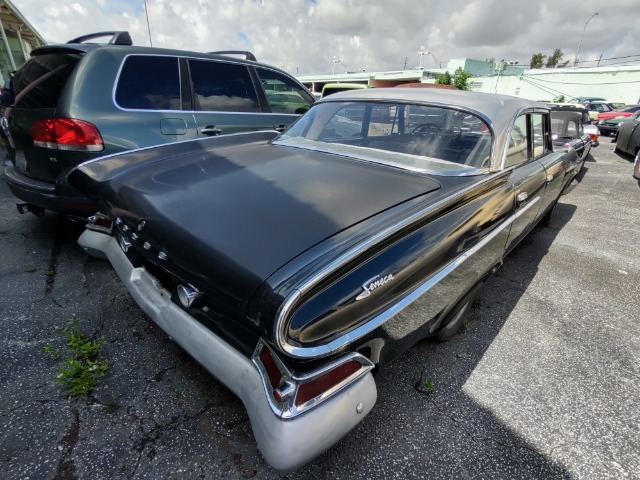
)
(373, 283)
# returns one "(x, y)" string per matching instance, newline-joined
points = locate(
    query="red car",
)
(623, 112)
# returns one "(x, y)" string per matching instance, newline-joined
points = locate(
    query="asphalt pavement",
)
(541, 383)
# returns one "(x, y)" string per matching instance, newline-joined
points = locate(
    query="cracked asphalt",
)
(541, 383)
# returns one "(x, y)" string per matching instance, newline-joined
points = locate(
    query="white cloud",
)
(372, 34)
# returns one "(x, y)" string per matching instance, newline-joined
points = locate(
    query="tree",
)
(554, 59)
(461, 79)
(536, 60)
(444, 78)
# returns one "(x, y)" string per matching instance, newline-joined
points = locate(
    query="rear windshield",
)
(39, 82)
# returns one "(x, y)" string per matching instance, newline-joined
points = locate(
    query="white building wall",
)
(616, 84)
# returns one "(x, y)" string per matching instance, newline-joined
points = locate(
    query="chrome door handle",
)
(521, 198)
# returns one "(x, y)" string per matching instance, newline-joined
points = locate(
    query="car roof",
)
(491, 105)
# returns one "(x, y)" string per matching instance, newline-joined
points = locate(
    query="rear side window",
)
(222, 87)
(39, 83)
(283, 94)
(149, 83)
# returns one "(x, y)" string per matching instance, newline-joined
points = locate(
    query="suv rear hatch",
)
(37, 88)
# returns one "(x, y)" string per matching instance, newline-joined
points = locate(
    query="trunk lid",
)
(232, 216)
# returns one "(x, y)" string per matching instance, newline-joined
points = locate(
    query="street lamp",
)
(575, 63)
(337, 60)
(422, 53)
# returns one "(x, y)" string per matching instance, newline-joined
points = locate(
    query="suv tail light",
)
(66, 134)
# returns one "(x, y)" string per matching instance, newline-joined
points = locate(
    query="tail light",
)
(66, 134)
(594, 137)
(292, 394)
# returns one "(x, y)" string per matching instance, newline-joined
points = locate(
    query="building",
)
(619, 83)
(18, 39)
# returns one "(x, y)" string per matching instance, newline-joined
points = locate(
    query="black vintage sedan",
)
(293, 266)
(628, 141)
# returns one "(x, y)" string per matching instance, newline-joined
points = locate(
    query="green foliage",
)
(83, 364)
(537, 60)
(555, 58)
(444, 78)
(461, 79)
(559, 99)
(429, 385)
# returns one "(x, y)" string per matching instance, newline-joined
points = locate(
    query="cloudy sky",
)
(304, 36)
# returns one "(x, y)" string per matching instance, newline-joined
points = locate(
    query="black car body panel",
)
(332, 248)
(278, 202)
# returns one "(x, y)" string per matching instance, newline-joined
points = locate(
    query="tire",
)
(546, 219)
(453, 323)
(616, 149)
(636, 166)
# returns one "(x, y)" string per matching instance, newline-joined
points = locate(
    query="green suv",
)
(78, 101)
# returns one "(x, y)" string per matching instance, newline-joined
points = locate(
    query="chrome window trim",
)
(336, 344)
(187, 57)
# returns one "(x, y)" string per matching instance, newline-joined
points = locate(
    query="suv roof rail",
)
(247, 55)
(117, 38)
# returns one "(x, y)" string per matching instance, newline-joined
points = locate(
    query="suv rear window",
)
(149, 83)
(39, 82)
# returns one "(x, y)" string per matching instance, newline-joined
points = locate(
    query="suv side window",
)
(149, 83)
(222, 87)
(283, 94)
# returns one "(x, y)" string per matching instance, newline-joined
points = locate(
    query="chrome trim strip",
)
(336, 344)
(187, 57)
(149, 147)
(288, 409)
(286, 444)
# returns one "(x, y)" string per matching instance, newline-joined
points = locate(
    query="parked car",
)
(77, 101)
(628, 140)
(587, 125)
(331, 88)
(596, 108)
(587, 99)
(610, 125)
(291, 266)
(622, 112)
(567, 132)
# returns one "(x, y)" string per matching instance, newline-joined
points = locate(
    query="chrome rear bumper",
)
(286, 444)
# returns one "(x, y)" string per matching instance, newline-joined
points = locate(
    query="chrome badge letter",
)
(373, 283)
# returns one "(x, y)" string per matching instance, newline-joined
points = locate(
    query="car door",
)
(152, 108)
(287, 99)
(225, 99)
(554, 163)
(527, 179)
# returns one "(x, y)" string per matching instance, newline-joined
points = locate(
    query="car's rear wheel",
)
(454, 322)
(636, 166)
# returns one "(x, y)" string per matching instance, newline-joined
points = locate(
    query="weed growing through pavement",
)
(429, 386)
(83, 363)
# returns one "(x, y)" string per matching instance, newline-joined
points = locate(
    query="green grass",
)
(82, 362)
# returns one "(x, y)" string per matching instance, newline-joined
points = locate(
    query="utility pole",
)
(406, 59)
